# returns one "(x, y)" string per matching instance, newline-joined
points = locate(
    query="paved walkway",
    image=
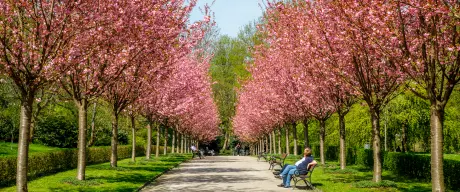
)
(218, 173)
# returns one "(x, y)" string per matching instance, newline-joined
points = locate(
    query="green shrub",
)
(351, 156)
(41, 164)
(419, 167)
(331, 153)
(365, 158)
(57, 131)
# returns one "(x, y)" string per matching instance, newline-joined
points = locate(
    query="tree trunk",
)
(32, 128)
(165, 147)
(404, 137)
(305, 134)
(270, 142)
(436, 124)
(181, 143)
(375, 117)
(261, 146)
(148, 152)
(322, 136)
(93, 126)
(114, 156)
(274, 141)
(133, 128)
(343, 148)
(225, 141)
(294, 134)
(267, 146)
(173, 141)
(157, 144)
(279, 142)
(23, 143)
(81, 165)
(186, 145)
(287, 139)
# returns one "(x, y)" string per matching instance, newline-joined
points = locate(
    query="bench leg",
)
(308, 184)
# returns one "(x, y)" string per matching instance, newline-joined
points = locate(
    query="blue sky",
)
(230, 15)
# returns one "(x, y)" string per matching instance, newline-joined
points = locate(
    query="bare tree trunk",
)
(267, 146)
(322, 135)
(23, 143)
(93, 126)
(279, 142)
(186, 144)
(165, 147)
(81, 165)
(274, 141)
(305, 134)
(343, 148)
(261, 146)
(157, 145)
(375, 117)
(114, 156)
(294, 133)
(173, 141)
(225, 141)
(270, 143)
(404, 137)
(436, 124)
(287, 139)
(133, 128)
(148, 152)
(181, 143)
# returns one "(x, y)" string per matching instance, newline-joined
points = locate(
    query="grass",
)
(357, 179)
(128, 176)
(11, 149)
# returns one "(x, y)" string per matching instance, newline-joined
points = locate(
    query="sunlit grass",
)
(11, 149)
(128, 176)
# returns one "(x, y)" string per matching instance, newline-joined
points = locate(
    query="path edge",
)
(159, 175)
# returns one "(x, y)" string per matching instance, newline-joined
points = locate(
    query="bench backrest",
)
(283, 156)
(310, 168)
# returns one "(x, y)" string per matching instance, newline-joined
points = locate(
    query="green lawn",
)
(127, 177)
(11, 149)
(330, 178)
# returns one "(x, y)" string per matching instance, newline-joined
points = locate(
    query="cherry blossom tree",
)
(34, 37)
(427, 33)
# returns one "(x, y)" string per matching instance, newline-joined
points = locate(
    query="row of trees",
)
(140, 56)
(318, 58)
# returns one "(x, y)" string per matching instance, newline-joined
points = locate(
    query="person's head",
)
(307, 152)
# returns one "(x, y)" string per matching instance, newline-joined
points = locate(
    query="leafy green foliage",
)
(9, 110)
(57, 131)
(129, 177)
(11, 149)
(45, 163)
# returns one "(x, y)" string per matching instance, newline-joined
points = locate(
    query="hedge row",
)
(41, 164)
(412, 166)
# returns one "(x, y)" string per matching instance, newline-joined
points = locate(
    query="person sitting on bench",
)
(301, 166)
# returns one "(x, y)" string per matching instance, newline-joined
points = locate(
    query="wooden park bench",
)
(262, 155)
(277, 161)
(305, 178)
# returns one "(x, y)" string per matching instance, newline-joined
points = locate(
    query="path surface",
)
(219, 173)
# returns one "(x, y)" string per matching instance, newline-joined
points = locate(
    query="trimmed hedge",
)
(41, 164)
(416, 166)
(331, 152)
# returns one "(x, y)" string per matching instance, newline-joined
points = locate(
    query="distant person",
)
(238, 148)
(193, 150)
(398, 149)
